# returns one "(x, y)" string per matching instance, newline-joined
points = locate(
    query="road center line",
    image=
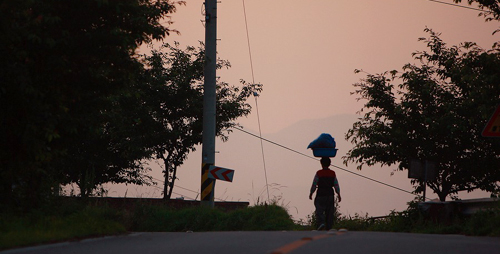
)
(297, 244)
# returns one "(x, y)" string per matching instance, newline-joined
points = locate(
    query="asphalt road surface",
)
(296, 242)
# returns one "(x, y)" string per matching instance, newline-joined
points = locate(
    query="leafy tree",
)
(491, 9)
(63, 64)
(435, 111)
(173, 96)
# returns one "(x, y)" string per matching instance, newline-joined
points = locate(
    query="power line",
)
(180, 187)
(308, 156)
(457, 5)
(262, 148)
(175, 193)
(197, 192)
(182, 195)
(248, 41)
(256, 104)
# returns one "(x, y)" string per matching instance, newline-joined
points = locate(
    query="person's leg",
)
(319, 203)
(329, 212)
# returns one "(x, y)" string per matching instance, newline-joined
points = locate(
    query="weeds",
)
(31, 229)
(75, 220)
(79, 220)
(412, 220)
(484, 223)
(260, 217)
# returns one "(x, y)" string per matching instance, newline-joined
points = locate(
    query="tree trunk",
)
(442, 196)
(173, 181)
(445, 190)
(83, 190)
(83, 185)
(167, 180)
(170, 171)
(87, 181)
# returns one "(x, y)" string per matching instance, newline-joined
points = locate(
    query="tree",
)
(491, 9)
(173, 96)
(62, 66)
(436, 112)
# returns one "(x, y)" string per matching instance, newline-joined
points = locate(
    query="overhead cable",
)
(457, 5)
(256, 104)
(308, 156)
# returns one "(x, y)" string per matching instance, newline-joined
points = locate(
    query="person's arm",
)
(313, 187)
(337, 188)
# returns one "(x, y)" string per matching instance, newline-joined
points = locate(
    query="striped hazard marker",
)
(207, 184)
(219, 173)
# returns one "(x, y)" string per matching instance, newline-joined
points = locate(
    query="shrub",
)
(35, 228)
(260, 217)
(484, 223)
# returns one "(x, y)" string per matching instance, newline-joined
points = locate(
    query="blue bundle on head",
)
(324, 140)
(324, 146)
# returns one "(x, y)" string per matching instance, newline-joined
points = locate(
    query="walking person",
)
(325, 181)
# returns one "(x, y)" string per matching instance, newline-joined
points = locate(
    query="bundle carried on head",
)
(324, 146)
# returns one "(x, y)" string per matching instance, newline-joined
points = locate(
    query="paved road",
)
(273, 242)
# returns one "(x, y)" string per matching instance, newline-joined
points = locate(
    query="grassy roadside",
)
(37, 228)
(482, 223)
(261, 217)
(78, 220)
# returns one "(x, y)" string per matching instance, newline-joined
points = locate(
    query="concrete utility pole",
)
(209, 100)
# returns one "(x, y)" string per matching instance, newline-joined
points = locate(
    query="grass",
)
(76, 220)
(482, 223)
(261, 217)
(35, 228)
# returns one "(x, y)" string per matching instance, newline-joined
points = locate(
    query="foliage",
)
(433, 111)
(413, 220)
(171, 103)
(73, 219)
(37, 228)
(484, 223)
(260, 217)
(409, 220)
(62, 66)
(491, 9)
(80, 106)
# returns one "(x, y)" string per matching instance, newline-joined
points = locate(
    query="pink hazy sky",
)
(305, 53)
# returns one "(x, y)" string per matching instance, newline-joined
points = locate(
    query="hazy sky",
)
(305, 53)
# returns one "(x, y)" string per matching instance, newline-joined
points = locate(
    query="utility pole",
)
(209, 106)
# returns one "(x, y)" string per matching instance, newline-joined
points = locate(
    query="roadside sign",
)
(422, 170)
(219, 173)
(416, 169)
(492, 128)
